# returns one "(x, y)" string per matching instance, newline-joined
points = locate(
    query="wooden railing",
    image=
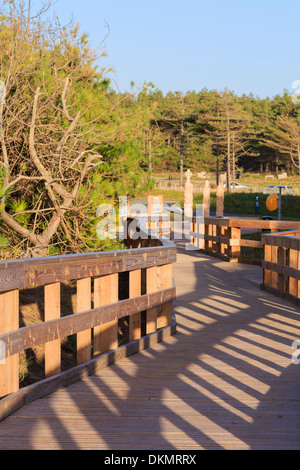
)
(222, 236)
(281, 265)
(150, 292)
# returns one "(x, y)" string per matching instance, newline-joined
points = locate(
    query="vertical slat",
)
(154, 223)
(215, 243)
(53, 348)
(106, 292)
(129, 233)
(135, 290)
(281, 260)
(210, 232)
(166, 224)
(293, 262)
(227, 247)
(164, 279)
(193, 229)
(267, 257)
(219, 234)
(160, 226)
(84, 338)
(9, 321)
(235, 234)
(222, 245)
(206, 232)
(274, 259)
(151, 286)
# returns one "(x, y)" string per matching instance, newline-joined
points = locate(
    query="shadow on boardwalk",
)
(224, 381)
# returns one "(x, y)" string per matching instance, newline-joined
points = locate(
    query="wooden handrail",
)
(25, 274)
(222, 236)
(149, 266)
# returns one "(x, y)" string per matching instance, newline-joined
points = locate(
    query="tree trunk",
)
(233, 164)
(228, 161)
(181, 154)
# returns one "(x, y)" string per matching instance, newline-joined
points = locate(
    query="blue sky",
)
(183, 45)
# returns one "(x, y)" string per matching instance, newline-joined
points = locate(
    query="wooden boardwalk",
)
(225, 381)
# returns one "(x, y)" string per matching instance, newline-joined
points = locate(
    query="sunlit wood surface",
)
(225, 381)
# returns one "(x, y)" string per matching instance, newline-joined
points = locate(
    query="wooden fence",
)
(149, 295)
(222, 236)
(281, 265)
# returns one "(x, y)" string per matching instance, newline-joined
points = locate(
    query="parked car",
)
(236, 185)
(275, 188)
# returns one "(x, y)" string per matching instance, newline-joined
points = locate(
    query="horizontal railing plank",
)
(251, 243)
(31, 336)
(252, 223)
(264, 224)
(28, 273)
(281, 269)
(284, 240)
(232, 242)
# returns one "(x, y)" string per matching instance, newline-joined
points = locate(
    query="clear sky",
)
(248, 46)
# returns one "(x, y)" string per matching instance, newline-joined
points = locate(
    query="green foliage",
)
(87, 138)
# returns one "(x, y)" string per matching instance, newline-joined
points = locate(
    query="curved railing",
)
(222, 236)
(150, 292)
(281, 265)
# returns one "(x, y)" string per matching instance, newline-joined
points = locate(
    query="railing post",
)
(223, 247)
(235, 234)
(106, 291)
(214, 234)
(165, 281)
(84, 338)
(293, 263)
(135, 290)
(274, 259)
(207, 231)
(9, 321)
(151, 286)
(282, 261)
(52, 348)
(218, 234)
(267, 273)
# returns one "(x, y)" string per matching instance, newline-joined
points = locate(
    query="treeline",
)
(201, 130)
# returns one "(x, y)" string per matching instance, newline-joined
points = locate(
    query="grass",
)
(176, 196)
(252, 180)
(245, 203)
(239, 203)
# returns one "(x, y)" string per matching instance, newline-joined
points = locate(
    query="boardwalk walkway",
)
(224, 381)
